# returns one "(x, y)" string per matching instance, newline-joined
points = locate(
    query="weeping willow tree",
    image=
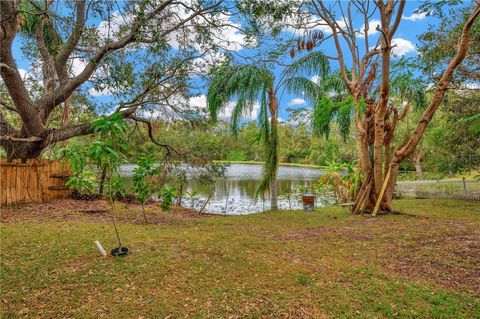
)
(248, 85)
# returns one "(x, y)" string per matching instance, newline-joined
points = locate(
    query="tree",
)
(368, 80)
(461, 125)
(143, 51)
(250, 84)
(453, 144)
(438, 45)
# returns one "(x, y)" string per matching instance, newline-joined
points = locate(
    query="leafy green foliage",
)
(245, 83)
(76, 156)
(82, 182)
(298, 144)
(105, 153)
(330, 102)
(439, 43)
(344, 179)
(32, 14)
(314, 63)
(168, 194)
(236, 155)
(115, 188)
(474, 122)
(311, 78)
(145, 169)
(112, 126)
(271, 162)
(405, 86)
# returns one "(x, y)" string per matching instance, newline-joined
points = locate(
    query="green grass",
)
(273, 265)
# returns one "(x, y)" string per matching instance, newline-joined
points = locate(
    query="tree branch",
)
(167, 147)
(9, 72)
(72, 42)
(462, 47)
(8, 106)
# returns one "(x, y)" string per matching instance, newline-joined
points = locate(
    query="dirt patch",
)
(443, 251)
(94, 211)
(446, 253)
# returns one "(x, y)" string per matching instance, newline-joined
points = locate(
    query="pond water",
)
(234, 194)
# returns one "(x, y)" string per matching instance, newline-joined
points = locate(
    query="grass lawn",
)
(326, 264)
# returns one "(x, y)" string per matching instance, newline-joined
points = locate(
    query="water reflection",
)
(234, 194)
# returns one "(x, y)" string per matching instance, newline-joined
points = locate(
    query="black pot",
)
(90, 197)
(119, 252)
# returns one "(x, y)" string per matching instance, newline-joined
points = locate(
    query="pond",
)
(235, 193)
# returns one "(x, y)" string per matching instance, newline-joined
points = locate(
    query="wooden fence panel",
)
(33, 181)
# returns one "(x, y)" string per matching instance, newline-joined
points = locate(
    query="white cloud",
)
(296, 101)
(23, 73)
(103, 92)
(297, 23)
(415, 16)
(315, 79)
(77, 65)
(472, 86)
(402, 47)
(204, 64)
(228, 36)
(200, 102)
(372, 28)
(110, 29)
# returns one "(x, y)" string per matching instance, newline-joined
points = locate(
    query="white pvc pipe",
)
(99, 246)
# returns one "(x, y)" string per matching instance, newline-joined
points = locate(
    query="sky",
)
(405, 39)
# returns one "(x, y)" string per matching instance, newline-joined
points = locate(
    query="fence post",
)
(464, 186)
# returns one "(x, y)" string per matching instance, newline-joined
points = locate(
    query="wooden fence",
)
(34, 181)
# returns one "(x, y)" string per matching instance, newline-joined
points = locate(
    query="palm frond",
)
(271, 163)
(334, 85)
(246, 83)
(344, 110)
(323, 113)
(404, 85)
(313, 63)
(304, 87)
(263, 122)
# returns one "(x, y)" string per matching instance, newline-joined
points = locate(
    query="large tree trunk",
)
(23, 150)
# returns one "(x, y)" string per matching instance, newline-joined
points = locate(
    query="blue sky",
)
(411, 26)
